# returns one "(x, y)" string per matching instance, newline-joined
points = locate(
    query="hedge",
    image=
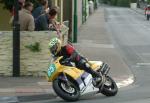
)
(123, 3)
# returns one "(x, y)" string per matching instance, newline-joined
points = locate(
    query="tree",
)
(123, 3)
(114, 2)
(8, 4)
(133, 1)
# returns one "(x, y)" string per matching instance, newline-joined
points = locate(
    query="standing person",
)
(26, 19)
(21, 4)
(52, 18)
(147, 12)
(41, 9)
(147, 9)
(53, 24)
(43, 21)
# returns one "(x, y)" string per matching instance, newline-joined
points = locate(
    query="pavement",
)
(94, 42)
(139, 10)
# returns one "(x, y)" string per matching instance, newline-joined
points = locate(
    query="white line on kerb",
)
(146, 54)
(142, 64)
(7, 90)
(126, 82)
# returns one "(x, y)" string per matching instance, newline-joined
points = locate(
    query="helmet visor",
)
(53, 49)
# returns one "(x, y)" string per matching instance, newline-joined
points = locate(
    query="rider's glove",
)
(67, 60)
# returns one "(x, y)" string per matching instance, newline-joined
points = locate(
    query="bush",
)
(105, 1)
(8, 4)
(123, 3)
(114, 2)
(133, 1)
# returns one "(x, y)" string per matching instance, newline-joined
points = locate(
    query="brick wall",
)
(5, 53)
(32, 63)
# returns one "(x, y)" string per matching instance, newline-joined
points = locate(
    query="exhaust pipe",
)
(105, 69)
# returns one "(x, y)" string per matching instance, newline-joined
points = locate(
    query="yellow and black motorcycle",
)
(70, 83)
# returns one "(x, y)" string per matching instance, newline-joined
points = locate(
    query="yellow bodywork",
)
(71, 71)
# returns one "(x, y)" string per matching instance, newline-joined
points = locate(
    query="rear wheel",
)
(67, 91)
(110, 88)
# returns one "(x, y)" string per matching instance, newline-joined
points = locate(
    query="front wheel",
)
(67, 92)
(110, 87)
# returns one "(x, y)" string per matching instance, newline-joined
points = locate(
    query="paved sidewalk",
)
(94, 43)
(139, 10)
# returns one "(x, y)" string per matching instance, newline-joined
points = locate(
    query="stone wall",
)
(33, 63)
(5, 53)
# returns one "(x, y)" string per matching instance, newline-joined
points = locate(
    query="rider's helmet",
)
(54, 46)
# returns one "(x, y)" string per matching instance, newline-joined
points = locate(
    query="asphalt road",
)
(130, 33)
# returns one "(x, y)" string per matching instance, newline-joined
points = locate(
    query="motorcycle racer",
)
(70, 54)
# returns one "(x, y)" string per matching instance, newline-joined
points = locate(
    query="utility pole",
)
(16, 41)
(75, 22)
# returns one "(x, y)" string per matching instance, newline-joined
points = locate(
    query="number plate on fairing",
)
(51, 70)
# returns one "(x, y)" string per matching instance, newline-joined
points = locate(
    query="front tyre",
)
(110, 87)
(67, 92)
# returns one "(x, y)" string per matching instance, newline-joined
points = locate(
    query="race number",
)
(51, 70)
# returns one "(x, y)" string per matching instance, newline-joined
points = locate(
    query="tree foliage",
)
(8, 4)
(133, 1)
(124, 3)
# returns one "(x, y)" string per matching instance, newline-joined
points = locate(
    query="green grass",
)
(4, 19)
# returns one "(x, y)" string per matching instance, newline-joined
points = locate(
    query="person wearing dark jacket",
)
(70, 54)
(40, 9)
(43, 21)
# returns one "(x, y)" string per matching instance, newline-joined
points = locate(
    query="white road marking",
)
(7, 90)
(95, 45)
(142, 64)
(145, 54)
(44, 83)
(125, 82)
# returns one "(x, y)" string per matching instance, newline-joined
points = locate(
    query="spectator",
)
(21, 4)
(52, 16)
(43, 21)
(41, 9)
(26, 19)
(147, 10)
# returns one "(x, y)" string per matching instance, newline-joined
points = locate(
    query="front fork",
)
(104, 70)
(64, 78)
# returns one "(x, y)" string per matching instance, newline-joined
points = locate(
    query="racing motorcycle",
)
(70, 83)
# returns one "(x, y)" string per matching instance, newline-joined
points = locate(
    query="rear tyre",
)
(67, 92)
(110, 87)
